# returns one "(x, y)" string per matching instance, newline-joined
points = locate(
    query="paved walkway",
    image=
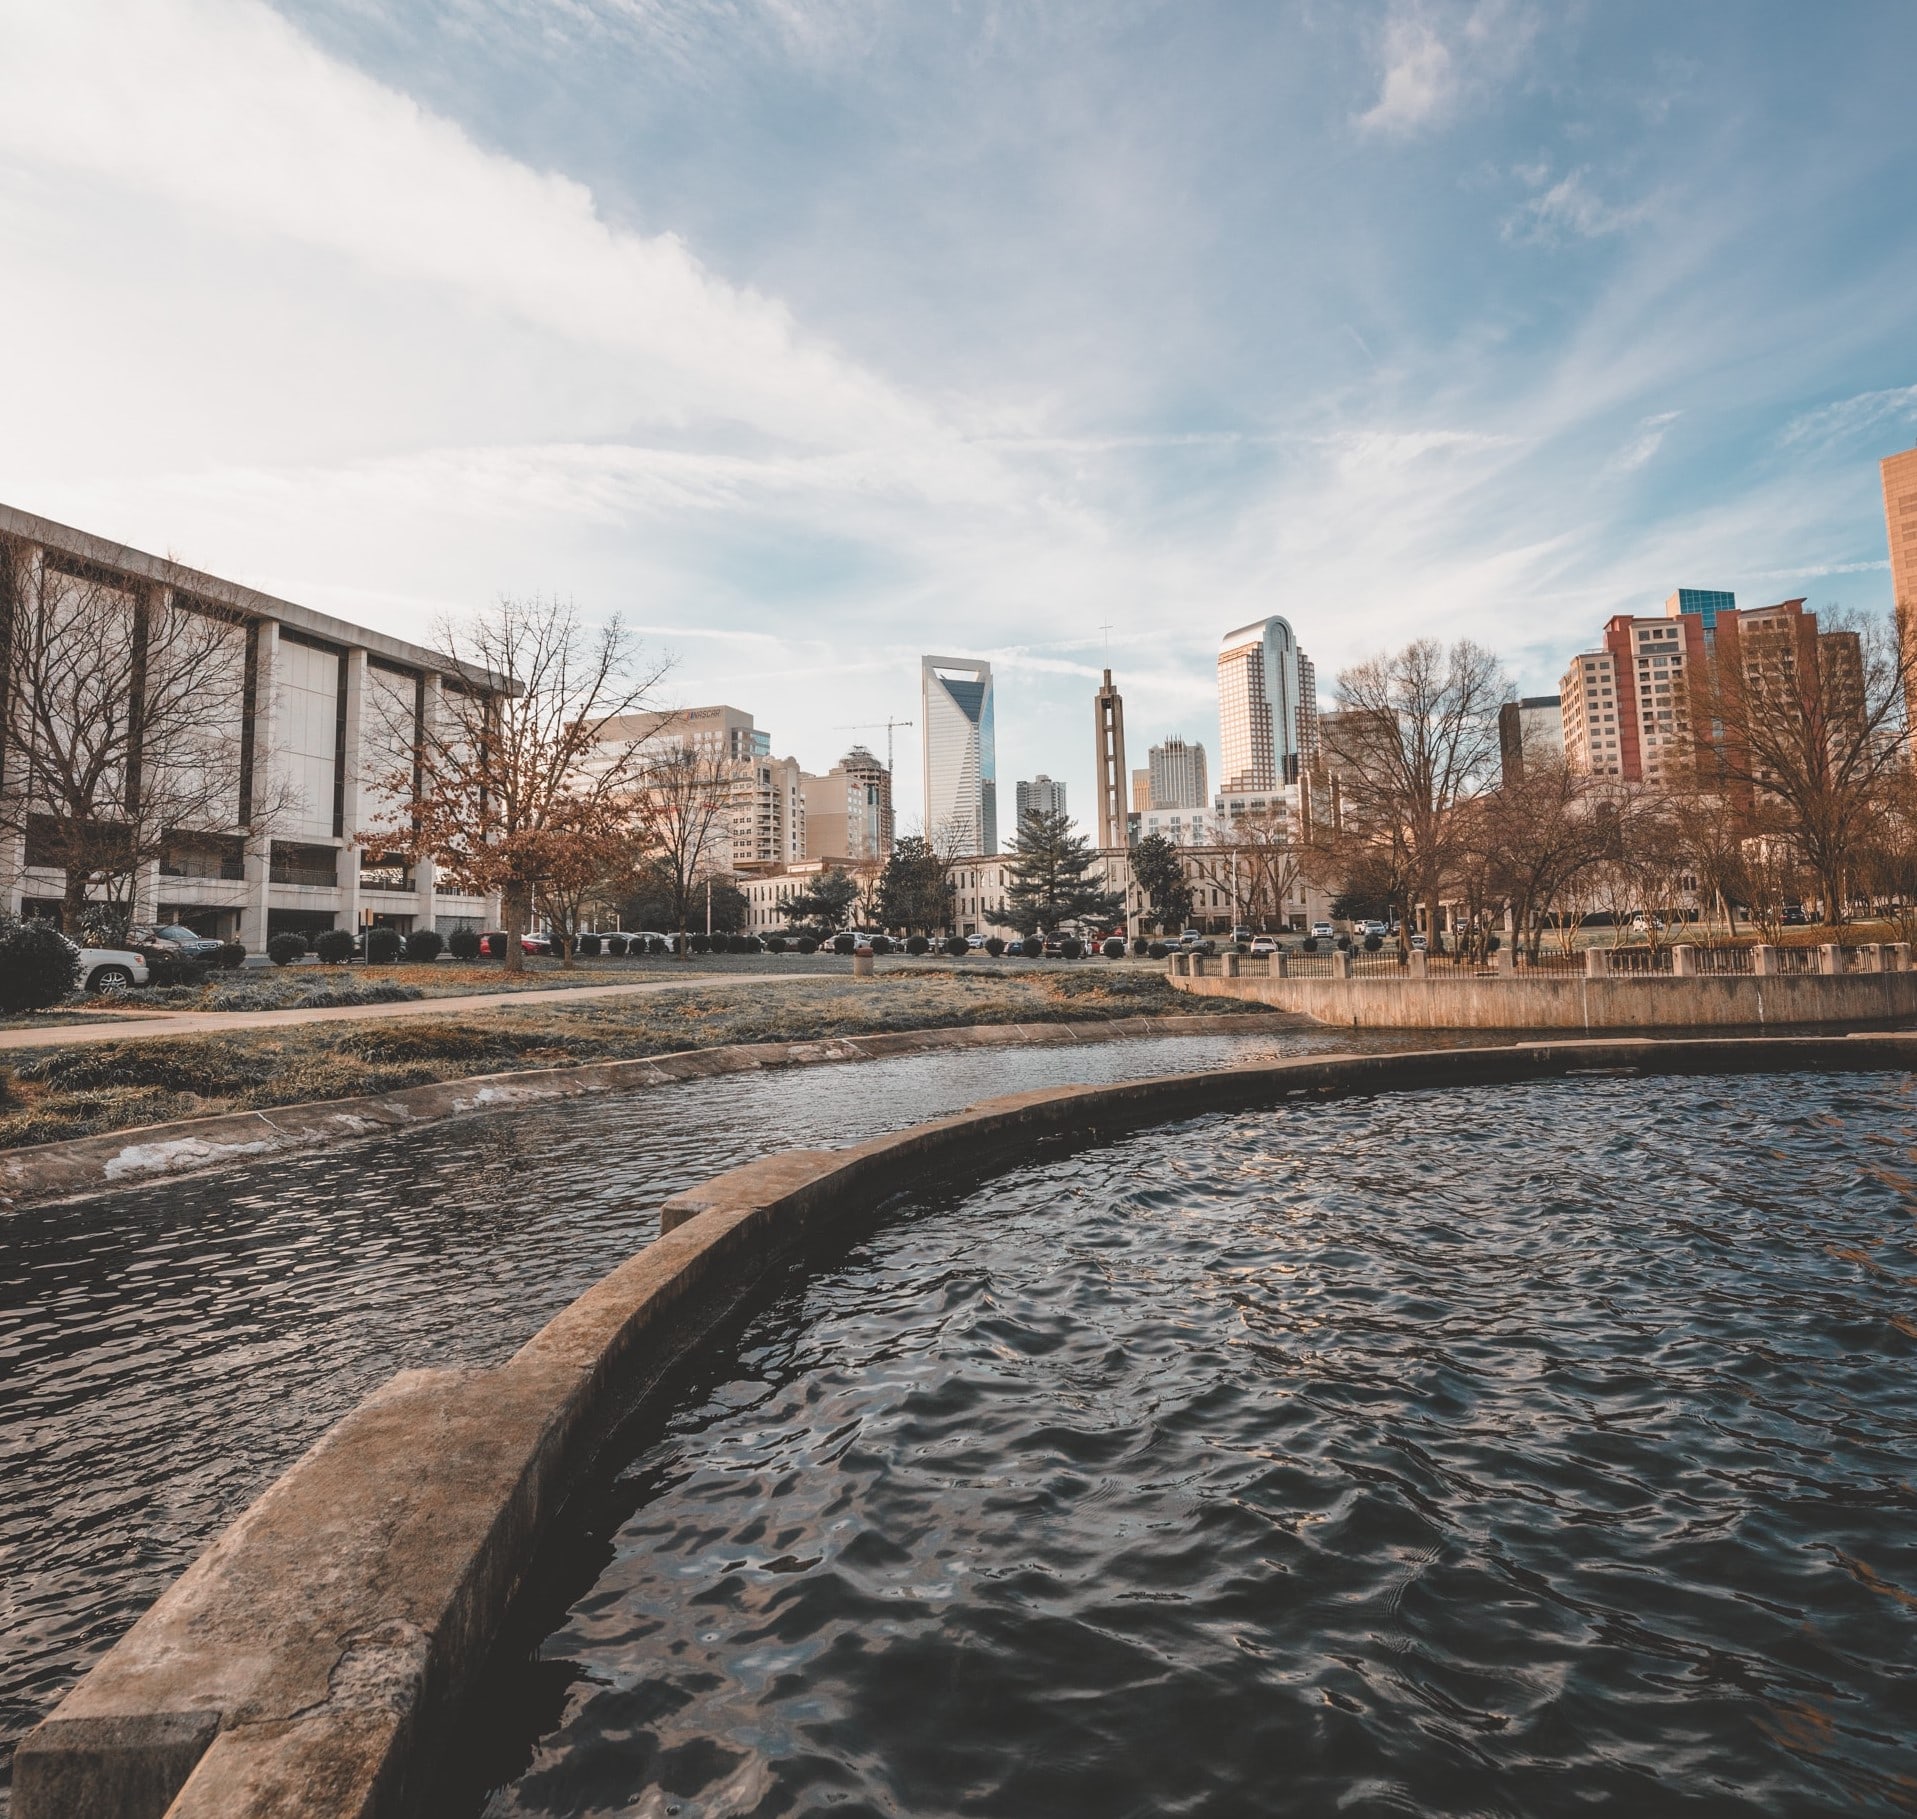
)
(112, 1028)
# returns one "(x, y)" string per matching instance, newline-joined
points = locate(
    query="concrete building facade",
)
(325, 711)
(1042, 795)
(848, 811)
(1178, 776)
(958, 746)
(1114, 806)
(1900, 529)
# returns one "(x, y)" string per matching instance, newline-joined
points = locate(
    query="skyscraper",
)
(1262, 680)
(1109, 708)
(1178, 776)
(961, 768)
(1900, 524)
(1041, 797)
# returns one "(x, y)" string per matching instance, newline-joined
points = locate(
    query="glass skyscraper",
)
(961, 767)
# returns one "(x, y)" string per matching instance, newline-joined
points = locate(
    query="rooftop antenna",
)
(872, 726)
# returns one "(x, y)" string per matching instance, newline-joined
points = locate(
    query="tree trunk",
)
(73, 904)
(513, 910)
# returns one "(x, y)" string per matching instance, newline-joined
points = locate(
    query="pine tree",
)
(1160, 870)
(1050, 883)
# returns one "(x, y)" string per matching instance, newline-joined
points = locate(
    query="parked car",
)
(1263, 944)
(1419, 944)
(1322, 931)
(975, 942)
(112, 972)
(1373, 928)
(1241, 934)
(193, 946)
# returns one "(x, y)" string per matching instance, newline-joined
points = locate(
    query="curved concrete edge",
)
(79, 1166)
(312, 1660)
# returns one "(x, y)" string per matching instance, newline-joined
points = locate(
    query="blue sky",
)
(812, 336)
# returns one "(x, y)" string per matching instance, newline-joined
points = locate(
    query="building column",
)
(25, 583)
(349, 852)
(1683, 961)
(259, 841)
(1764, 960)
(1597, 963)
(1830, 958)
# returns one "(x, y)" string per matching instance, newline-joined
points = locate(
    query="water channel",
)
(1539, 1450)
(165, 1353)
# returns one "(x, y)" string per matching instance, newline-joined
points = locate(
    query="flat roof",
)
(85, 547)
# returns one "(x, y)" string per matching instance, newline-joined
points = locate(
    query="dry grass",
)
(81, 1090)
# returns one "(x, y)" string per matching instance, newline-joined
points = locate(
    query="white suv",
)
(111, 972)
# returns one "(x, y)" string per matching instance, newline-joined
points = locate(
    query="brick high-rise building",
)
(1900, 526)
(1267, 707)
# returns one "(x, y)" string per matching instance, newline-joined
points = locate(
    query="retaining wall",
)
(312, 1661)
(1560, 1002)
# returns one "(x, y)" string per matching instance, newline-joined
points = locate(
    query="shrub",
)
(1242, 947)
(424, 946)
(334, 946)
(657, 945)
(1140, 948)
(843, 944)
(589, 946)
(283, 950)
(994, 946)
(38, 965)
(879, 944)
(775, 944)
(1114, 949)
(1033, 947)
(616, 946)
(956, 946)
(742, 944)
(807, 945)
(1344, 944)
(382, 946)
(232, 954)
(1492, 943)
(1373, 943)
(1309, 944)
(917, 944)
(699, 944)
(463, 944)
(1072, 948)
(1158, 950)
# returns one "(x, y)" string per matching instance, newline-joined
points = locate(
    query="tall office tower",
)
(1141, 791)
(1533, 726)
(961, 768)
(1178, 776)
(1113, 807)
(1900, 523)
(1307, 712)
(1260, 706)
(1041, 797)
(848, 811)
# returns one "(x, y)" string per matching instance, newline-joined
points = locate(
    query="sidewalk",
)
(160, 1024)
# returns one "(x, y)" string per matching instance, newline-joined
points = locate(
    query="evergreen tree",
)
(1050, 884)
(914, 892)
(1160, 870)
(827, 904)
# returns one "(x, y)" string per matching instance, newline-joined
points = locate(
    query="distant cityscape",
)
(336, 702)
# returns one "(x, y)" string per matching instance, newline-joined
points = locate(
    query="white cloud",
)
(1433, 58)
(1852, 416)
(1651, 432)
(1570, 208)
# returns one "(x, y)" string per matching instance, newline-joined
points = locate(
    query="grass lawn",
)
(77, 1091)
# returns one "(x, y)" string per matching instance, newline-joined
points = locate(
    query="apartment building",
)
(848, 811)
(1177, 775)
(1040, 796)
(319, 716)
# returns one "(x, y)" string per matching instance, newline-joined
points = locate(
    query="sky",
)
(811, 336)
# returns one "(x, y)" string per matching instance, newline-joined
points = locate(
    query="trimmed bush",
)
(1158, 950)
(383, 946)
(1072, 948)
(1242, 947)
(616, 945)
(1344, 944)
(741, 944)
(590, 947)
(424, 946)
(1114, 949)
(807, 945)
(917, 944)
(957, 946)
(775, 944)
(1373, 943)
(232, 954)
(283, 950)
(1140, 948)
(463, 944)
(994, 946)
(38, 965)
(1034, 947)
(1492, 943)
(698, 944)
(334, 946)
(844, 944)
(1310, 944)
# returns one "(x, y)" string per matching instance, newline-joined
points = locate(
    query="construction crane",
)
(872, 726)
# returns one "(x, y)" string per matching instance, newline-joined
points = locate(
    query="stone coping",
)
(313, 1660)
(75, 1167)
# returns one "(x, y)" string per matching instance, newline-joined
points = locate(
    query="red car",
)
(493, 943)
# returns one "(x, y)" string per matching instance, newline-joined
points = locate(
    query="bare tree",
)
(1537, 836)
(1257, 858)
(682, 805)
(125, 729)
(514, 771)
(1814, 725)
(1415, 739)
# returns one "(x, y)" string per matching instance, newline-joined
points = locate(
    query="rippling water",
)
(166, 1353)
(1520, 1452)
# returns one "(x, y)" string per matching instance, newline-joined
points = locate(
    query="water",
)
(1530, 1451)
(166, 1353)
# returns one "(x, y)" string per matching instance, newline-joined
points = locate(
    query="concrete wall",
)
(313, 1660)
(1657, 1002)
